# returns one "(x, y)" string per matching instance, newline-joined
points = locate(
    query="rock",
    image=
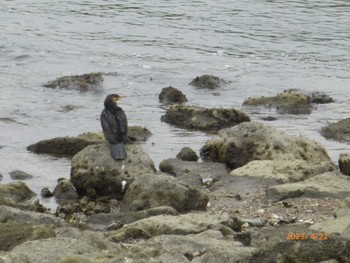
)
(153, 190)
(210, 246)
(45, 192)
(65, 191)
(320, 98)
(1, 176)
(330, 184)
(198, 118)
(207, 82)
(171, 95)
(15, 192)
(192, 223)
(69, 146)
(194, 173)
(279, 247)
(344, 163)
(290, 102)
(14, 215)
(82, 83)
(250, 141)
(95, 173)
(339, 224)
(287, 171)
(187, 154)
(102, 221)
(20, 175)
(13, 234)
(339, 131)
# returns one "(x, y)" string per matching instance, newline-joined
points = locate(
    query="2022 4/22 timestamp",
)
(306, 236)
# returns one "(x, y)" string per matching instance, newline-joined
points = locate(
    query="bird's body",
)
(115, 126)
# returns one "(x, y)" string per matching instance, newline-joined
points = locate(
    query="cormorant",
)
(115, 126)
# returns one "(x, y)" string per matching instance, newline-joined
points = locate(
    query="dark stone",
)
(344, 163)
(187, 154)
(171, 95)
(65, 190)
(320, 98)
(45, 192)
(207, 82)
(339, 131)
(20, 175)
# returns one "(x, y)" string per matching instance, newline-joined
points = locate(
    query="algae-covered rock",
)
(69, 146)
(82, 83)
(339, 131)
(171, 95)
(95, 173)
(207, 82)
(187, 154)
(15, 192)
(198, 118)
(250, 141)
(153, 190)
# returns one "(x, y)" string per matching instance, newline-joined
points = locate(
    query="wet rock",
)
(95, 173)
(82, 83)
(10, 214)
(65, 191)
(320, 98)
(1, 176)
(171, 95)
(198, 118)
(187, 154)
(250, 141)
(45, 192)
(69, 146)
(191, 223)
(102, 221)
(290, 102)
(339, 131)
(287, 171)
(153, 190)
(20, 175)
(194, 173)
(13, 234)
(330, 184)
(277, 248)
(344, 163)
(339, 224)
(207, 82)
(15, 192)
(209, 246)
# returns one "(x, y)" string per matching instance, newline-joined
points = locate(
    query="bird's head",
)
(112, 99)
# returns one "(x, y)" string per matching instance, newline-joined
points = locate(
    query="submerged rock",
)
(69, 146)
(250, 141)
(171, 95)
(198, 118)
(339, 131)
(95, 173)
(82, 83)
(153, 190)
(20, 175)
(330, 184)
(207, 82)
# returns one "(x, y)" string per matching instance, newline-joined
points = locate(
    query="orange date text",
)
(306, 236)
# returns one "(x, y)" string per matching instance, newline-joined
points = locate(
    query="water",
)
(261, 47)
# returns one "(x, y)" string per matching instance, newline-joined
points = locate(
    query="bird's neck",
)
(111, 106)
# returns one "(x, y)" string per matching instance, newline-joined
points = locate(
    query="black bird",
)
(115, 126)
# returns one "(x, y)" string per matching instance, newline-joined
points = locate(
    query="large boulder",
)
(339, 131)
(330, 184)
(292, 102)
(153, 190)
(207, 82)
(95, 173)
(171, 95)
(82, 83)
(199, 118)
(250, 141)
(287, 171)
(68, 146)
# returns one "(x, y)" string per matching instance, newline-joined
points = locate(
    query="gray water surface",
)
(260, 47)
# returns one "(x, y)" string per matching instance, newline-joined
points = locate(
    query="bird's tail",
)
(118, 151)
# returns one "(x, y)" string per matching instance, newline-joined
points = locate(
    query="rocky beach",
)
(253, 193)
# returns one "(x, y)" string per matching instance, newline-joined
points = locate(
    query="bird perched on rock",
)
(115, 126)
